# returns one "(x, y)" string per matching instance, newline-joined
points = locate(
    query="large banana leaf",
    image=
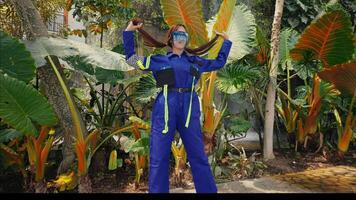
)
(222, 23)
(342, 76)
(63, 48)
(15, 60)
(21, 106)
(328, 39)
(242, 31)
(288, 39)
(189, 13)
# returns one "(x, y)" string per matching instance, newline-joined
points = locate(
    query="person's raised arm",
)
(207, 65)
(134, 60)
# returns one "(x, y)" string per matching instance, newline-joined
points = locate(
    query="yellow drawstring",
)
(190, 105)
(165, 94)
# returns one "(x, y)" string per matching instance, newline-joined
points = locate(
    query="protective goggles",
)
(180, 36)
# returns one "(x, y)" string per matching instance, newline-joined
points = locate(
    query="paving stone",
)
(325, 180)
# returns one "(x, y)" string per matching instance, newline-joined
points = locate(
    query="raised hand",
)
(132, 27)
(223, 34)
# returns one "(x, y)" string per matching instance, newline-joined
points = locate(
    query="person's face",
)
(179, 43)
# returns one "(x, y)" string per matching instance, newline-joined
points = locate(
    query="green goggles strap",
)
(190, 105)
(165, 94)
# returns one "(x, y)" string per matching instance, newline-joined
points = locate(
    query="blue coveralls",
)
(178, 104)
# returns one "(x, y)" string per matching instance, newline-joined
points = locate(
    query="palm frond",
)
(235, 77)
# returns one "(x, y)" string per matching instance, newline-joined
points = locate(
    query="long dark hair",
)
(151, 42)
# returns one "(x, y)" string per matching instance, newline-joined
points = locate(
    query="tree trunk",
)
(271, 90)
(34, 28)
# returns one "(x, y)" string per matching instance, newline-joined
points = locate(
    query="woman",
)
(177, 106)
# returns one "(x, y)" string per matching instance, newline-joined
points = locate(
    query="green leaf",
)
(242, 32)
(21, 110)
(119, 162)
(113, 160)
(287, 41)
(7, 135)
(131, 79)
(141, 145)
(146, 89)
(15, 60)
(108, 76)
(97, 57)
(101, 75)
(79, 63)
(328, 39)
(238, 125)
(235, 77)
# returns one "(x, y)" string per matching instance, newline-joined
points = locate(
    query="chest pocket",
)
(165, 76)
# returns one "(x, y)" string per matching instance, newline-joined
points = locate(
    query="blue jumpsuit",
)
(177, 104)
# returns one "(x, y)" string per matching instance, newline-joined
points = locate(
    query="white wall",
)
(73, 24)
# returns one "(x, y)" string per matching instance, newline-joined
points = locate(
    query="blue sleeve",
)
(134, 60)
(129, 43)
(217, 63)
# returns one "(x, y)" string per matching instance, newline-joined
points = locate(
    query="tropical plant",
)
(305, 10)
(38, 150)
(207, 82)
(343, 77)
(138, 145)
(82, 144)
(23, 111)
(16, 60)
(328, 40)
(243, 166)
(236, 77)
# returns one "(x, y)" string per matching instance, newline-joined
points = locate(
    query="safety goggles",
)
(180, 36)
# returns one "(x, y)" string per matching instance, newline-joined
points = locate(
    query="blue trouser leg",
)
(160, 149)
(192, 138)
